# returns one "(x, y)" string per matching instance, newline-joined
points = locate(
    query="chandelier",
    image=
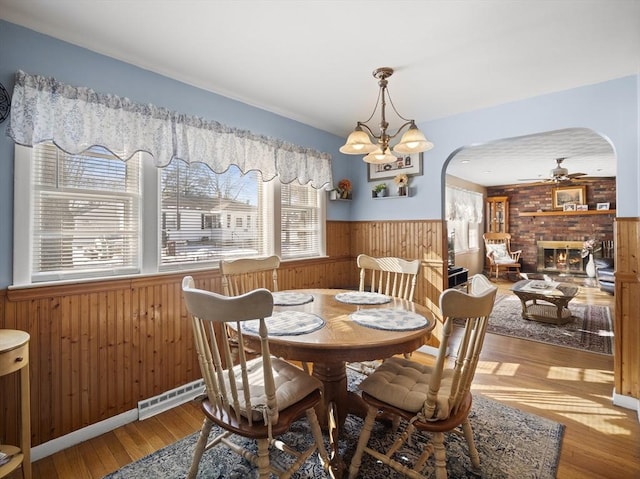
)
(359, 141)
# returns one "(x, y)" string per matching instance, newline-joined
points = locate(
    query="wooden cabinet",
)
(497, 214)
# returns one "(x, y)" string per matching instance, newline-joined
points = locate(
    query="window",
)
(84, 211)
(300, 235)
(464, 217)
(88, 217)
(194, 191)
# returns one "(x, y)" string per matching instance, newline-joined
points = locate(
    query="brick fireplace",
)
(560, 257)
(528, 230)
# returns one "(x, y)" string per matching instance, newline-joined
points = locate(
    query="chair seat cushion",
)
(405, 385)
(506, 261)
(292, 385)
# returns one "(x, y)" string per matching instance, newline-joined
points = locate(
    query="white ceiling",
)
(312, 60)
(530, 159)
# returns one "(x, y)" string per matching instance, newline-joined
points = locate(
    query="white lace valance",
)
(77, 118)
(463, 205)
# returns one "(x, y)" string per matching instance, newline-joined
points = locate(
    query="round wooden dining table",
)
(341, 339)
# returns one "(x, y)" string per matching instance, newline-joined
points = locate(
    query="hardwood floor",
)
(565, 385)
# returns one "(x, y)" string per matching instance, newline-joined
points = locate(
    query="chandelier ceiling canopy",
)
(359, 141)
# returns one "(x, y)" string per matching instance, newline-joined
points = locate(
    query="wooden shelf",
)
(390, 197)
(567, 213)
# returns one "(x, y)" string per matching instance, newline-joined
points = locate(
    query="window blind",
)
(300, 227)
(85, 213)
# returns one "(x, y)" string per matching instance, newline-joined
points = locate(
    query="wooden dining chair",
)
(239, 276)
(257, 399)
(434, 399)
(391, 276)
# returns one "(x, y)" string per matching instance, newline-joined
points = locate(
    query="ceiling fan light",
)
(413, 141)
(358, 143)
(378, 157)
(556, 172)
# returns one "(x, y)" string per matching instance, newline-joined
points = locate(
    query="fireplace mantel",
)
(567, 213)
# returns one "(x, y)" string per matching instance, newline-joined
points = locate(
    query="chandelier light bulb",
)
(378, 157)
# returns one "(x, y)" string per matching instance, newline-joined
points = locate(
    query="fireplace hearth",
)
(560, 257)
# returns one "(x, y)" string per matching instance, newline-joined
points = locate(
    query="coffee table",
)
(545, 301)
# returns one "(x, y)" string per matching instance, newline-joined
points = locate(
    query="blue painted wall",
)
(611, 108)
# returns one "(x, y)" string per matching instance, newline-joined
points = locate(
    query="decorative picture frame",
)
(410, 165)
(582, 207)
(602, 206)
(562, 195)
(569, 207)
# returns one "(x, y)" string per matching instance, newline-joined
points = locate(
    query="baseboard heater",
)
(169, 399)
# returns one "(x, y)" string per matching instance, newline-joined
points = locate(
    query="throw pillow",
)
(499, 251)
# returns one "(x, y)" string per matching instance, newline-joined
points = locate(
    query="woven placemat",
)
(389, 319)
(287, 323)
(362, 297)
(291, 298)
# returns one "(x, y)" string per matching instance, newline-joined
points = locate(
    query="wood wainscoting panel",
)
(627, 315)
(414, 239)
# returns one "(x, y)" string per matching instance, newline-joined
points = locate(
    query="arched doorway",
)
(520, 168)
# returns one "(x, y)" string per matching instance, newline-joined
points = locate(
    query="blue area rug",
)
(511, 443)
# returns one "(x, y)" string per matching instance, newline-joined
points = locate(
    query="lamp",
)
(359, 141)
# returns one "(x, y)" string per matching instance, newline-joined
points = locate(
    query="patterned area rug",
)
(511, 444)
(590, 329)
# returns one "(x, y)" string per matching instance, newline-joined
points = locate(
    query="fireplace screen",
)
(560, 257)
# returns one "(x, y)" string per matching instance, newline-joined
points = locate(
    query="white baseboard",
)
(426, 349)
(626, 402)
(81, 435)
(147, 408)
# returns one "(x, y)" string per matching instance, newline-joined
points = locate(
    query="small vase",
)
(402, 191)
(591, 267)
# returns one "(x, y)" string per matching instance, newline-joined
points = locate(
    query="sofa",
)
(605, 274)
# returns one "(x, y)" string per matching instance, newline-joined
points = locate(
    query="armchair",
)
(499, 256)
(605, 273)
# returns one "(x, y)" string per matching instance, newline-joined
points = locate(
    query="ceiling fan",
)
(559, 174)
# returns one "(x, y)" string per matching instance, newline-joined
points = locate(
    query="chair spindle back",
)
(240, 276)
(391, 276)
